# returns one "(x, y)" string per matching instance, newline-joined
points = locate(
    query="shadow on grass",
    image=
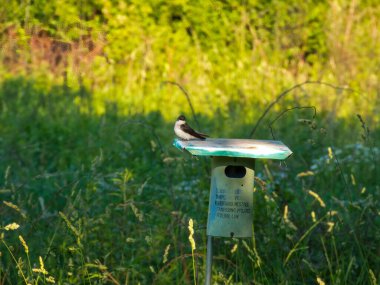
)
(100, 197)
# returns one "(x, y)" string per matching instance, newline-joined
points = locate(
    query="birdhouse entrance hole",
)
(235, 171)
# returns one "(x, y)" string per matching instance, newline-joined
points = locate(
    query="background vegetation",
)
(91, 189)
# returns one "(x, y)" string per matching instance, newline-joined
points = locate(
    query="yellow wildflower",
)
(233, 250)
(191, 230)
(320, 281)
(50, 279)
(353, 181)
(316, 196)
(42, 268)
(313, 217)
(14, 207)
(330, 153)
(330, 226)
(373, 277)
(24, 244)
(305, 173)
(332, 213)
(166, 253)
(11, 227)
(286, 211)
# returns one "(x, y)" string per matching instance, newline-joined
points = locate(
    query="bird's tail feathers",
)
(203, 135)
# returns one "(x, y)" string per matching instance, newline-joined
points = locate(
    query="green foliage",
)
(88, 172)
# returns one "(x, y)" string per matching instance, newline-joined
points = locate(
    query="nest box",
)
(232, 179)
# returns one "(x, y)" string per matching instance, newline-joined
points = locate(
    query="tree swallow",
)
(184, 132)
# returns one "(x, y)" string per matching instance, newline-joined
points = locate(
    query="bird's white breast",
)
(181, 134)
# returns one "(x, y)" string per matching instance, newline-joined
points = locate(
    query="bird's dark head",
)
(181, 118)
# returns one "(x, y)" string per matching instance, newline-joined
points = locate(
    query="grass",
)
(101, 197)
(92, 190)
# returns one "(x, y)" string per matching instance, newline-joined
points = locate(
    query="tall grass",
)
(89, 174)
(99, 198)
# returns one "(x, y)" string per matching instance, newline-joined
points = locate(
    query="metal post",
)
(208, 260)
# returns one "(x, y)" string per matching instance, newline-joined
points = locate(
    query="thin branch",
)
(279, 97)
(287, 110)
(187, 97)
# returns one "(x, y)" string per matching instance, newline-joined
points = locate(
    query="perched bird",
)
(184, 132)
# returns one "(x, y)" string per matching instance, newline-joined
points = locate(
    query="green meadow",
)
(92, 190)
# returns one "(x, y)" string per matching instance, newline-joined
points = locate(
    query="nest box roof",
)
(264, 149)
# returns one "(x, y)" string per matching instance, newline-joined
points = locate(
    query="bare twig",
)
(287, 110)
(279, 97)
(187, 97)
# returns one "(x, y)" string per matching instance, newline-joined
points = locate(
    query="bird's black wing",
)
(186, 128)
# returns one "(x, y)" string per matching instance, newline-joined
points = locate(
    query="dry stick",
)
(287, 110)
(286, 92)
(187, 97)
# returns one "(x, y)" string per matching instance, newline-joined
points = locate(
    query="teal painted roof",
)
(264, 149)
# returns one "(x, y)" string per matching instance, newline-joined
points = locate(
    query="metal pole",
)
(208, 260)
